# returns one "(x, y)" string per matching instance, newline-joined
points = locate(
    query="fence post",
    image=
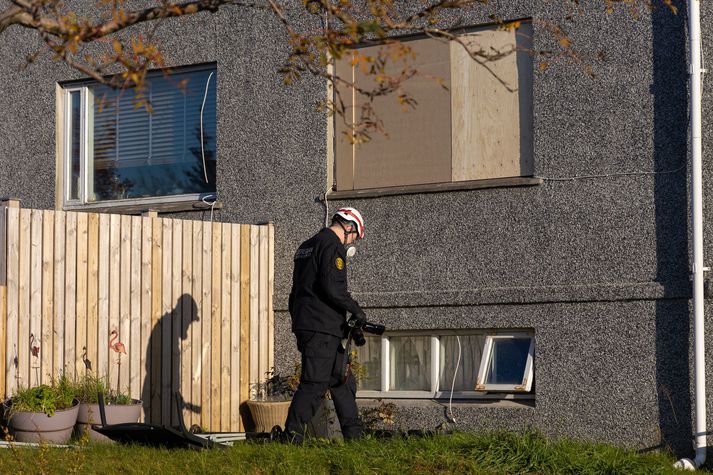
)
(5, 203)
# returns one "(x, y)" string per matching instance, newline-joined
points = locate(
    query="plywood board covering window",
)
(471, 122)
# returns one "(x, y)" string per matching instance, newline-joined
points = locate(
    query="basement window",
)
(492, 364)
(121, 149)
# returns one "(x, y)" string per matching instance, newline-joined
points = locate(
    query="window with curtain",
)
(466, 364)
(157, 144)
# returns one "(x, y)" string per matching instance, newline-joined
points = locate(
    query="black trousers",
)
(322, 361)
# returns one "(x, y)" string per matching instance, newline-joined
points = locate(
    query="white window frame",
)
(86, 148)
(525, 384)
(436, 392)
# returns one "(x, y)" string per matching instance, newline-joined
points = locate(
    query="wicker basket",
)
(268, 414)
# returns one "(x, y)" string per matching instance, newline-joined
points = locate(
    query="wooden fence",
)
(189, 301)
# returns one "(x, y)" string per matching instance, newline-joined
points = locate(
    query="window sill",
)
(133, 207)
(435, 188)
(439, 403)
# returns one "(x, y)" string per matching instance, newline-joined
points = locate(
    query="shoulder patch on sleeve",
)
(339, 263)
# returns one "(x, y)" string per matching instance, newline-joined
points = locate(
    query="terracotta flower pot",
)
(268, 414)
(115, 414)
(39, 427)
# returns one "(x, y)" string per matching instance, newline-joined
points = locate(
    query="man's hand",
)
(359, 319)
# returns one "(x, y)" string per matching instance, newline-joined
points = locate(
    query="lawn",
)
(500, 452)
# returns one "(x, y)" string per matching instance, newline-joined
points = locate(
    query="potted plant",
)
(118, 407)
(45, 413)
(271, 399)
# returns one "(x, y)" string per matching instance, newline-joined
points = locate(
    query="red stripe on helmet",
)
(356, 218)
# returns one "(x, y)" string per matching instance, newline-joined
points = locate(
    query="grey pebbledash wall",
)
(598, 267)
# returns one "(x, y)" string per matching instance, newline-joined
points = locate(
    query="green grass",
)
(495, 453)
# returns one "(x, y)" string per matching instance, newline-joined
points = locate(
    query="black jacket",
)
(319, 299)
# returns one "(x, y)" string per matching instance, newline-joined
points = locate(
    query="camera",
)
(357, 330)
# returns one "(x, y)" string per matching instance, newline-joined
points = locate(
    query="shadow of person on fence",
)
(163, 346)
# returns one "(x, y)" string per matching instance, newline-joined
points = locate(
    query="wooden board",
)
(35, 279)
(135, 349)
(82, 268)
(225, 259)
(114, 334)
(187, 316)
(47, 352)
(100, 364)
(70, 296)
(13, 278)
(270, 287)
(90, 360)
(23, 339)
(176, 315)
(255, 374)
(216, 275)
(58, 288)
(146, 312)
(166, 334)
(263, 272)
(235, 329)
(206, 327)
(487, 127)
(124, 283)
(245, 418)
(156, 309)
(196, 329)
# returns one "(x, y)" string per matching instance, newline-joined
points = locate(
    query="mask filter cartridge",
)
(351, 251)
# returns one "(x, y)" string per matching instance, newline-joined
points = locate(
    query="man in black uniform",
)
(318, 304)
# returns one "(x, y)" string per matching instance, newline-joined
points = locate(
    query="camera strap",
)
(346, 366)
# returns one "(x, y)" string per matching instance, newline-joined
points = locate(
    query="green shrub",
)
(48, 398)
(89, 386)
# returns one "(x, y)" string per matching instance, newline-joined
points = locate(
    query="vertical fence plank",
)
(125, 304)
(23, 339)
(186, 316)
(270, 287)
(215, 320)
(235, 328)
(244, 324)
(206, 406)
(114, 299)
(101, 363)
(3, 297)
(196, 329)
(36, 344)
(90, 360)
(13, 301)
(262, 301)
(47, 293)
(225, 328)
(59, 279)
(81, 324)
(146, 312)
(255, 374)
(70, 296)
(176, 316)
(166, 334)
(135, 347)
(156, 308)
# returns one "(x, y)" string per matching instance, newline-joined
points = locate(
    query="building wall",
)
(596, 266)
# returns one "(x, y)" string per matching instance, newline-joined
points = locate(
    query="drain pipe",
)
(696, 72)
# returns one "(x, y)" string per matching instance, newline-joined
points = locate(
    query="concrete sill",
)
(434, 188)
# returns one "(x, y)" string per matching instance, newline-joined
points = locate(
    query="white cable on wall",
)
(205, 96)
(453, 384)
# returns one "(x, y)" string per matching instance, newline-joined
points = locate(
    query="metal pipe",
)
(696, 73)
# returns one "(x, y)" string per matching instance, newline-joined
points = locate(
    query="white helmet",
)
(353, 216)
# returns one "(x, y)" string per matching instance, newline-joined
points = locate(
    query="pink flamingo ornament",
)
(119, 348)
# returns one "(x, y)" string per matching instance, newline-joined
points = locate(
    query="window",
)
(118, 151)
(478, 127)
(423, 365)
